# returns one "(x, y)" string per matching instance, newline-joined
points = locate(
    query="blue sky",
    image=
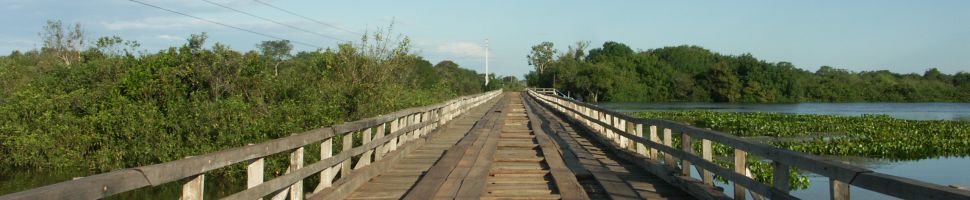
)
(899, 35)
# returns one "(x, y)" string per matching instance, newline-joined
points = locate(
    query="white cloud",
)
(153, 23)
(464, 49)
(169, 37)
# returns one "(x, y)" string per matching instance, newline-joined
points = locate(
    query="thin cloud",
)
(153, 23)
(463, 49)
(169, 37)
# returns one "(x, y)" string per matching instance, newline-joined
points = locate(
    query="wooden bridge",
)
(514, 145)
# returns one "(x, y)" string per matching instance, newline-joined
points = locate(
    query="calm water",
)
(943, 171)
(917, 111)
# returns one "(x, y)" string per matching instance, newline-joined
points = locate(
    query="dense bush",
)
(112, 108)
(615, 72)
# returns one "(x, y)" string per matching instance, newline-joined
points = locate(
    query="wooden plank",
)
(662, 170)
(327, 175)
(361, 176)
(668, 142)
(288, 179)
(194, 189)
(640, 148)
(838, 190)
(614, 186)
(740, 164)
(781, 176)
(254, 172)
(348, 143)
(438, 174)
(687, 146)
(708, 155)
(566, 181)
(656, 140)
(365, 159)
(473, 185)
(296, 162)
(379, 152)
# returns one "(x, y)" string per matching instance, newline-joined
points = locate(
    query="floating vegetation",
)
(871, 136)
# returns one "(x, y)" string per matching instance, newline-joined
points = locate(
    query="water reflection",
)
(914, 111)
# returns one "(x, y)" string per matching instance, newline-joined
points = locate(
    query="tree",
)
(724, 84)
(196, 41)
(276, 50)
(578, 50)
(542, 54)
(610, 50)
(933, 74)
(63, 45)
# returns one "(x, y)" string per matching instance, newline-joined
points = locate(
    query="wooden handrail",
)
(390, 132)
(613, 125)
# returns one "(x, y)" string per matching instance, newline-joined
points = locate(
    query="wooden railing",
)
(384, 137)
(649, 142)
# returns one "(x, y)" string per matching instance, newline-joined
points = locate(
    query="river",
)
(914, 111)
(944, 171)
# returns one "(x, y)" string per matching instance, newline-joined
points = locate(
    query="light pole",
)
(486, 61)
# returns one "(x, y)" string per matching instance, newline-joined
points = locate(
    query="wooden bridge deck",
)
(511, 148)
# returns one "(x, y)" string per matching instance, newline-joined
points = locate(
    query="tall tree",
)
(64, 45)
(542, 54)
(276, 50)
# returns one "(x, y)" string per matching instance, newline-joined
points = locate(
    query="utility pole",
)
(486, 61)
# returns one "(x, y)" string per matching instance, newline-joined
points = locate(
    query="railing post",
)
(655, 139)
(838, 190)
(348, 143)
(641, 148)
(668, 141)
(365, 158)
(379, 153)
(781, 176)
(296, 162)
(254, 172)
(708, 155)
(395, 126)
(327, 175)
(620, 124)
(685, 144)
(193, 190)
(740, 166)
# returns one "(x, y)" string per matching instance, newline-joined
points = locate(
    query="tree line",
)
(110, 105)
(615, 72)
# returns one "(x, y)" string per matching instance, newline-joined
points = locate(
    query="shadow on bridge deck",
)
(511, 148)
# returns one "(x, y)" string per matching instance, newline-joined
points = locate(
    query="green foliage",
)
(542, 54)
(615, 72)
(873, 136)
(113, 109)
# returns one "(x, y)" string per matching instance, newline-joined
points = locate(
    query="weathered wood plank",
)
(254, 172)
(708, 155)
(473, 184)
(565, 180)
(194, 189)
(438, 175)
(740, 164)
(838, 190)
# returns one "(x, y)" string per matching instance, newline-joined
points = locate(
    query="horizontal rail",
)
(388, 131)
(617, 126)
